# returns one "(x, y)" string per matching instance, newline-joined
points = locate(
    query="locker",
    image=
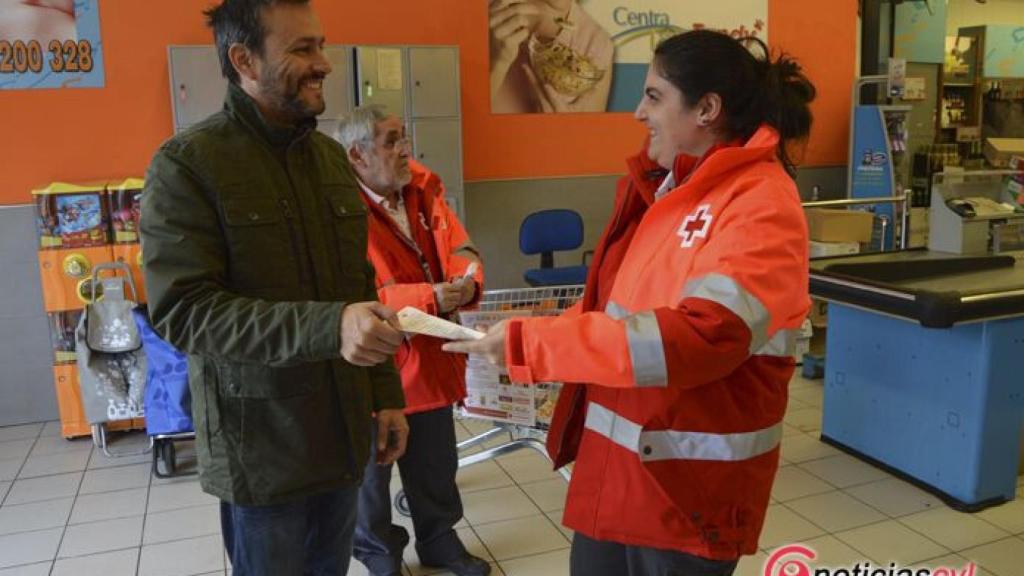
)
(338, 92)
(380, 75)
(65, 275)
(197, 86)
(437, 143)
(434, 79)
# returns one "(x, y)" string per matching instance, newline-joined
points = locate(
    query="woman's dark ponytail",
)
(754, 89)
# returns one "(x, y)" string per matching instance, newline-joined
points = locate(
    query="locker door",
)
(437, 144)
(381, 78)
(434, 75)
(338, 84)
(197, 86)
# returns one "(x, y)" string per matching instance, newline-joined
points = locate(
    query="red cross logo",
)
(695, 225)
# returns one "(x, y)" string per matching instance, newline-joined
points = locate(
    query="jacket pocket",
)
(348, 223)
(258, 381)
(258, 243)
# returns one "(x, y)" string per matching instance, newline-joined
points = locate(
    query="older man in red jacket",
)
(423, 258)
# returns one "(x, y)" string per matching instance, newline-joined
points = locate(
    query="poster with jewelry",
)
(50, 44)
(564, 56)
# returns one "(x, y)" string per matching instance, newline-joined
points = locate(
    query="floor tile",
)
(889, 541)
(16, 449)
(182, 557)
(548, 495)
(955, 562)
(9, 468)
(954, 530)
(41, 569)
(179, 495)
(117, 563)
(482, 476)
(806, 419)
(498, 504)
(46, 445)
(5, 487)
(804, 448)
(844, 471)
(54, 464)
(107, 505)
(792, 482)
(752, 565)
(181, 524)
(521, 537)
(832, 552)
(835, 511)
(103, 536)
(895, 497)
(529, 469)
(547, 564)
(52, 428)
(556, 518)
(1009, 516)
(783, 526)
(119, 478)
(20, 432)
(44, 488)
(813, 395)
(1002, 558)
(29, 547)
(35, 515)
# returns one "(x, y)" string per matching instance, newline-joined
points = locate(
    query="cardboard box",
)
(823, 249)
(839, 225)
(998, 151)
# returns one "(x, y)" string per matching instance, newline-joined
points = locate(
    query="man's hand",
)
(467, 290)
(392, 434)
(491, 347)
(369, 333)
(448, 296)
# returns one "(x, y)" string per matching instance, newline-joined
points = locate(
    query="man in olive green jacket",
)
(254, 243)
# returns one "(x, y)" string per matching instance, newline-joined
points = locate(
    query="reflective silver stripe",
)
(615, 311)
(724, 290)
(646, 350)
(782, 344)
(655, 445)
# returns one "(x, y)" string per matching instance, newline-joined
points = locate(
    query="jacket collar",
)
(759, 148)
(645, 173)
(243, 107)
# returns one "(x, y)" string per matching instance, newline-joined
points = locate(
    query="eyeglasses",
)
(403, 141)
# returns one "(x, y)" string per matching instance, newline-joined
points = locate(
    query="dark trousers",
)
(591, 557)
(308, 537)
(428, 479)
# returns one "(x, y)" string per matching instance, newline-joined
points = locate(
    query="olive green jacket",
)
(254, 238)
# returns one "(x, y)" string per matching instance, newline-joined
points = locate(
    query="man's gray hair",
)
(360, 127)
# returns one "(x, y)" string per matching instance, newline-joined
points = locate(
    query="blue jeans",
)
(309, 537)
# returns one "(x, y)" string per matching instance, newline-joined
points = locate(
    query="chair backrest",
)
(551, 230)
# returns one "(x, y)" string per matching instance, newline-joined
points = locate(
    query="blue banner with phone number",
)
(51, 44)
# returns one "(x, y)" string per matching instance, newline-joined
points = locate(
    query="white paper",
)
(389, 69)
(416, 321)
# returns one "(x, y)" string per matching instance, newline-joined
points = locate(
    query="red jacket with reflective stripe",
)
(406, 271)
(685, 356)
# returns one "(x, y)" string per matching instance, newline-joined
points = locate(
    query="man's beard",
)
(286, 99)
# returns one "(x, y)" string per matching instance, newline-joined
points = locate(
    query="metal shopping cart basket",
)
(520, 413)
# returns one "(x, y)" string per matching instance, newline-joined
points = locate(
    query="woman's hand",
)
(491, 346)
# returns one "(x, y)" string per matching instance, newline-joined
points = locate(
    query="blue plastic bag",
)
(168, 402)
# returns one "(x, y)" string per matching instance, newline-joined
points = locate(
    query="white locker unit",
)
(198, 88)
(420, 84)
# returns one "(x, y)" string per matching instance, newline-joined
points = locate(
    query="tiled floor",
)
(68, 510)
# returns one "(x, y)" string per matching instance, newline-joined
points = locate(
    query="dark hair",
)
(239, 22)
(754, 91)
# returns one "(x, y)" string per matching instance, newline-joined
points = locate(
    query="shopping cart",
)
(521, 414)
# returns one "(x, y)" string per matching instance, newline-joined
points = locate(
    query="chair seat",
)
(560, 276)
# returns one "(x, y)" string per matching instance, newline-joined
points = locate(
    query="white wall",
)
(962, 13)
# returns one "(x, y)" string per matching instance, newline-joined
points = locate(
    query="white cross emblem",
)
(695, 225)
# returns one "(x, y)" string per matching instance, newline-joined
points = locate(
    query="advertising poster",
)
(592, 55)
(50, 44)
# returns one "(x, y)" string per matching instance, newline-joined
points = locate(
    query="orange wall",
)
(91, 134)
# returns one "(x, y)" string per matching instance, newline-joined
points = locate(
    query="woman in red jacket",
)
(686, 331)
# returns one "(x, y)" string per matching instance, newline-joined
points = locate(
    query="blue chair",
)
(546, 232)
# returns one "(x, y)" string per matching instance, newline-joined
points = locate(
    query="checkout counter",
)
(924, 355)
